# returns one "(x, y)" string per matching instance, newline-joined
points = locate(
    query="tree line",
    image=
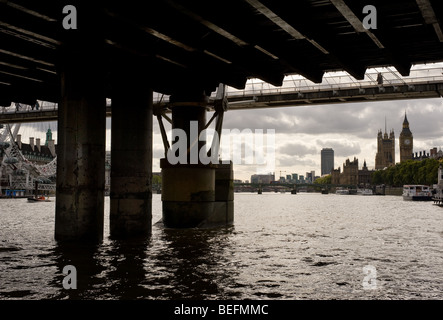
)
(324, 180)
(408, 172)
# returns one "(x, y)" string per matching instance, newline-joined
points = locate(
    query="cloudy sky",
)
(349, 129)
(301, 132)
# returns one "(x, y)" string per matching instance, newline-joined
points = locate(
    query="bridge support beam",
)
(194, 194)
(131, 155)
(81, 142)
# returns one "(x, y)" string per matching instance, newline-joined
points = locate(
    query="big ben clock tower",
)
(406, 139)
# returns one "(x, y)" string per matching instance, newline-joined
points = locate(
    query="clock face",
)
(407, 142)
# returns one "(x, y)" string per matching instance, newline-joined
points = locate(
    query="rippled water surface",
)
(282, 246)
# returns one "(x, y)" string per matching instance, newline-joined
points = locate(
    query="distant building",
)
(335, 176)
(365, 175)
(432, 154)
(351, 175)
(48, 137)
(385, 156)
(421, 155)
(262, 178)
(350, 172)
(310, 177)
(327, 160)
(36, 152)
(406, 146)
(406, 142)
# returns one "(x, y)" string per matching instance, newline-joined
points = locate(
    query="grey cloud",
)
(38, 128)
(286, 161)
(297, 149)
(341, 149)
(360, 119)
(158, 151)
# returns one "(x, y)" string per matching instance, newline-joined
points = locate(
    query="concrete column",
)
(131, 154)
(81, 132)
(194, 194)
(224, 195)
(188, 190)
(81, 163)
(188, 194)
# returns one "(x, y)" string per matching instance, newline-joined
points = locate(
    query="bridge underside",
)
(125, 50)
(196, 42)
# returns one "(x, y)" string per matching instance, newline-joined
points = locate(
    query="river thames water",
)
(281, 247)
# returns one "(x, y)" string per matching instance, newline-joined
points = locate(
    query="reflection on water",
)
(181, 264)
(282, 246)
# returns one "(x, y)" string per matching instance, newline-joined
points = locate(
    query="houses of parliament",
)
(385, 155)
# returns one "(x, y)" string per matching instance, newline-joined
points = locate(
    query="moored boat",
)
(417, 192)
(38, 199)
(438, 189)
(365, 192)
(341, 191)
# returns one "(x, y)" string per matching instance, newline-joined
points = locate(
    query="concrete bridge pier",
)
(131, 153)
(194, 194)
(81, 142)
(224, 194)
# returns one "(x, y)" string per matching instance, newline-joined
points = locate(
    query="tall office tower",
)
(327, 160)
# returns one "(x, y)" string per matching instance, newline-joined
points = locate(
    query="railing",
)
(340, 80)
(24, 108)
(30, 186)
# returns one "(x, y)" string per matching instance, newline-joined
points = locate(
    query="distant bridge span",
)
(296, 91)
(292, 185)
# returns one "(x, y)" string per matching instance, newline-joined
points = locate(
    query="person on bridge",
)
(380, 79)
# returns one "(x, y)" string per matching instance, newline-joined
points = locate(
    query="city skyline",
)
(299, 151)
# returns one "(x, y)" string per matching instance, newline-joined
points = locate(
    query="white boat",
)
(365, 192)
(341, 191)
(417, 192)
(438, 188)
